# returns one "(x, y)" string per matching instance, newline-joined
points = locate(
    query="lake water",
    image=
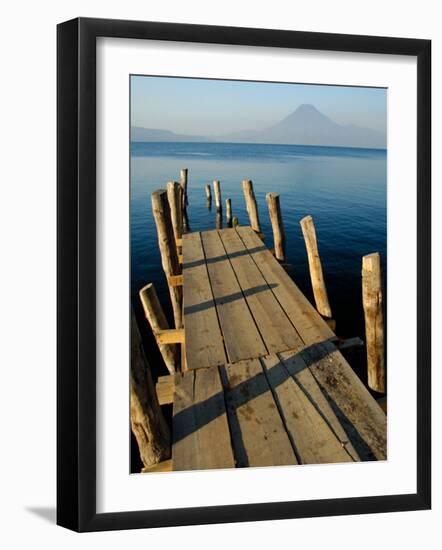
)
(344, 189)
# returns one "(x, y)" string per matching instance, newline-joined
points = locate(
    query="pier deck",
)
(265, 383)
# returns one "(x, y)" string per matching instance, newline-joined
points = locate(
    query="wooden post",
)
(209, 197)
(314, 262)
(183, 183)
(251, 205)
(147, 421)
(277, 225)
(374, 321)
(208, 193)
(166, 243)
(219, 220)
(183, 210)
(157, 320)
(229, 212)
(174, 198)
(217, 190)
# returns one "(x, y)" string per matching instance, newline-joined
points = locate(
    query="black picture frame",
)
(76, 273)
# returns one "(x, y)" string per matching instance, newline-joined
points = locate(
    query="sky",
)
(213, 107)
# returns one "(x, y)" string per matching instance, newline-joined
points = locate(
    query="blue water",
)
(344, 189)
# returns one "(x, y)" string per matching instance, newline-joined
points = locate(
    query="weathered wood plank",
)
(241, 336)
(165, 389)
(298, 369)
(258, 433)
(275, 327)
(165, 466)
(201, 438)
(315, 440)
(358, 412)
(170, 336)
(310, 326)
(204, 342)
(175, 280)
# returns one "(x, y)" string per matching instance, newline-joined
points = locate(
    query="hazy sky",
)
(211, 107)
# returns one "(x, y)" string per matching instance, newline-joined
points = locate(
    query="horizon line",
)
(262, 143)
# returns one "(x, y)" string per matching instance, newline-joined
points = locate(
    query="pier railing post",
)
(168, 250)
(217, 190)
(229, 212)
(277, 225)
(209, 196)
(374, 321)
(251, 205)
(183, 182)
(147, 421)
(157, 320)
(315, 266)
(219, 220)
(174, 198)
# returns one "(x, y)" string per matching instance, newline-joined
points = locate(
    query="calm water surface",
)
(343, 189)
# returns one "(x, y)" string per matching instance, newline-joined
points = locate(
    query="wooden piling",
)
(277, 225)
(168, 251)
(217, 190)
(209, 197)
(157, 320)
(374, 321)
(208, 193)
(183, 183)
(175, 205)
(147, 421)
(229, 212)
(251, 205)
(315, 266)
(219, 220)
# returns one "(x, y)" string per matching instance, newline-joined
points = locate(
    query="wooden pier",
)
(261, 380)
(265, 383)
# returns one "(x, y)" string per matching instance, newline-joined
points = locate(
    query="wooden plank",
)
(165, 388)
(204, 341)
(201, 438)
(360, 415)
(175, 280)
(298, 369)
(170, 336)
(258, 433)
(310, 326)
(275, 327)
(314, 439)
(241, 337)
(165, 466)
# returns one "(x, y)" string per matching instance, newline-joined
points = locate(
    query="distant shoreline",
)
(181, 142)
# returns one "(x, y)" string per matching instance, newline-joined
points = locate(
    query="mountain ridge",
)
(306, 125)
